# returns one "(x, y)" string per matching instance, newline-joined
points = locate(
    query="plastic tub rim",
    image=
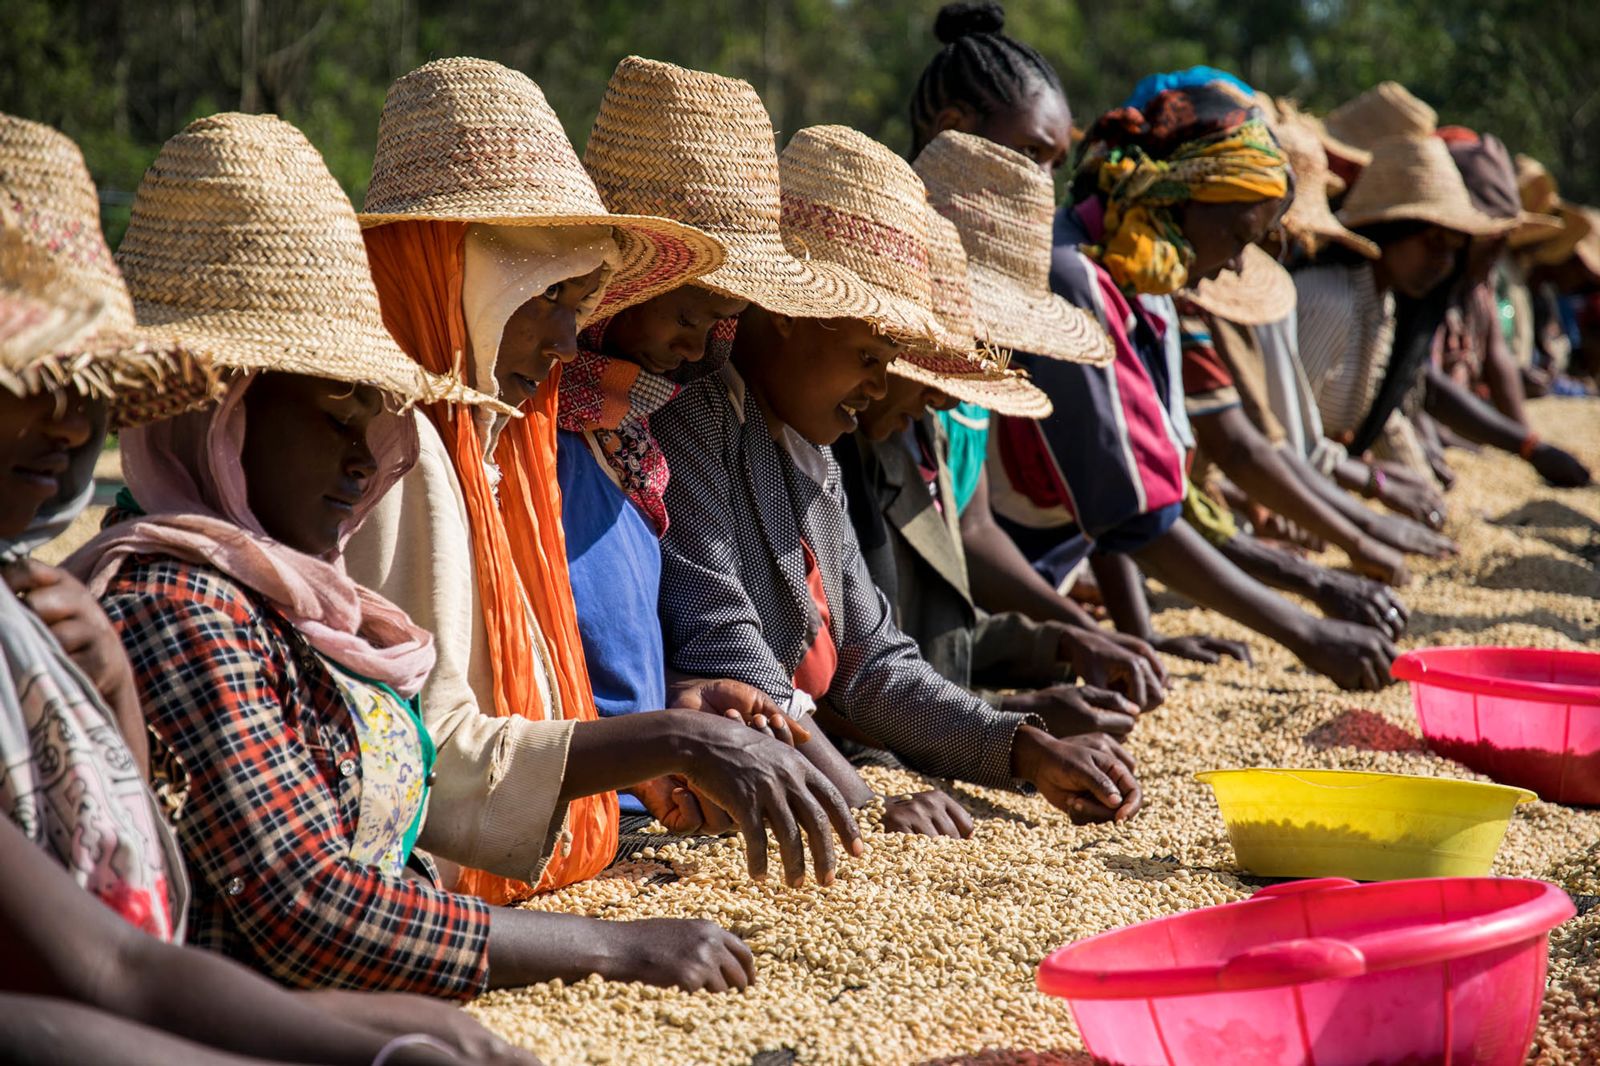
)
(1413, 667)
(1525, 795)
(1302, 960)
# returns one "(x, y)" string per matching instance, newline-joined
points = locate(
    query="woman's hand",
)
(1352, 656)
(1377, 560)
(1202, 649)
(1090, 778)
(760, 782)
(1350, 598)
(738, 702)
(693, 955)
(1413, 538)
(672, 802)
(929, 814)
(1117, 662)
(1073, 710)
(398, 1014)
(1559, 468)
(76, 621)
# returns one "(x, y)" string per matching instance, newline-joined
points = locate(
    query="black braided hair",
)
(978, 66)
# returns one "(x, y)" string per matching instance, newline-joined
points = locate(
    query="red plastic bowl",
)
(1445, 970)
(1523, 716)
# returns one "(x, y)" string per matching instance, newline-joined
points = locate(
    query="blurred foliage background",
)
(121, 76)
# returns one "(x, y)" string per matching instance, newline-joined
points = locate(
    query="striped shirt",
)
(1106, 468)
(1346, 331)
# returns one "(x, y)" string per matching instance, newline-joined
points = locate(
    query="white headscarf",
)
(506, 266)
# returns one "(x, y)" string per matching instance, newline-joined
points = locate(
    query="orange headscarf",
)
(518, 546)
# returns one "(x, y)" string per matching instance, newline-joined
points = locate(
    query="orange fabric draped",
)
(518, 546)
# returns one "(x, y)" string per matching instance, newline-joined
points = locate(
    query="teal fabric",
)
(968, 429)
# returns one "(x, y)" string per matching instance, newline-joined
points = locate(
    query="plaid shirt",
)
(273, 777)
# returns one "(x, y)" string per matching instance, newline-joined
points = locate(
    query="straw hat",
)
(1536, 185)
(1289, 113)
(1579, 237)
(954, 367)
(1386, 110)
(68, 321)
(1414, 178)
(1309, 219)
(467, 140)
(699, 148)
(1262, 292)
(1587, 250)
(848, 201)
(243, 244)
(1541, 197)
(1003, 206)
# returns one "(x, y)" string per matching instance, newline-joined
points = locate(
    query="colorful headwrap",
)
(1206, 144)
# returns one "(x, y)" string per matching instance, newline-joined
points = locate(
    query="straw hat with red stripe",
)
(957, 366)
(469, 140)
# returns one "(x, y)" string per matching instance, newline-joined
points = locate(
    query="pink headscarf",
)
(187, 476)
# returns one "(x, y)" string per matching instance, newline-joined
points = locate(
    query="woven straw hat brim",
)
(1044, 324)
(848, 201)
(1261, 293)
(1310, 214)
(67, 320)
(1415, 179)
(698, 147)
(657, 255)
(242, 245)
(1533, 226)
(1468, 220)
(1340, 148)
(1002, 207)
(784, 285)
(1006, 392)
(1559, 246)
(292, 343)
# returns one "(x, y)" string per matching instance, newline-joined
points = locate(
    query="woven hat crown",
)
(850, 201)
(693, 146)
(952, 292)
(52, 198)
(1388, 109)
(1309, 218)
(242, 241)
(71, 320)
(469, 138)
(999, 200)
(1414, 178)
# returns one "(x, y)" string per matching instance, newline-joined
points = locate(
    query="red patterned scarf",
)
(612, 400)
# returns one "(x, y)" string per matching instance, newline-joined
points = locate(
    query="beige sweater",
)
(496, 804)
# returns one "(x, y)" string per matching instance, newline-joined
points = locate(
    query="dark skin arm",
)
(1394, 529)
(755, 778)
(1003, 580)
(1353, 656)
(1122, 587)
(1261, 470)
(1002, 577)
(63, 943)
(1460, 410)
(1348, 597)
(84, 632)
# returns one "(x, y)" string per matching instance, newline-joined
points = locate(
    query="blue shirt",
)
(615, 562)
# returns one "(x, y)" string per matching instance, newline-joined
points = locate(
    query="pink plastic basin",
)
(1523, 716)
(1446, 971)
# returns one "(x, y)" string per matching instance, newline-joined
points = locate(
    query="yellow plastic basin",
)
(1360, 825)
